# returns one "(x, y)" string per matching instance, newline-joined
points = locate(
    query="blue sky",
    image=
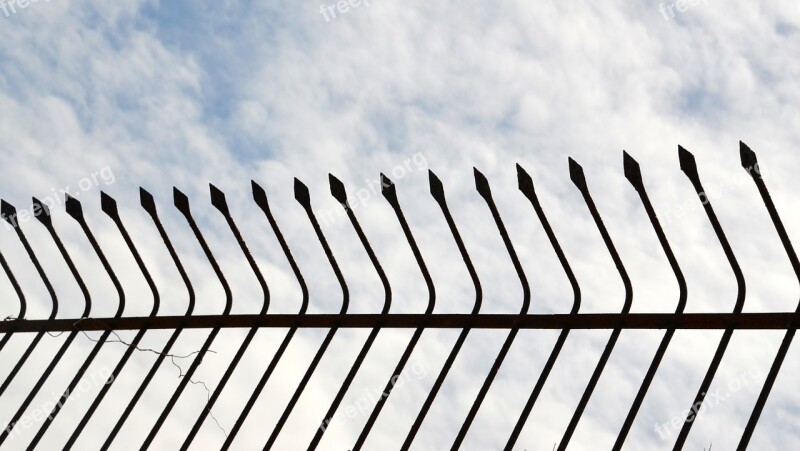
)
(183, 94)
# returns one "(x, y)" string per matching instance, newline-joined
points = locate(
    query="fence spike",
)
(109, 207)
(148, 204)
(260, 197)
(302, 196)
(9, 213)
(634, 175)
(182, 204)
(218, 200)
(750, 164)
(482, 186)
(42, 214)
(389, 192)
(526, 186)
(437, 191)
(75, 210)
(578, 178)
(689, 167)
(338, 192)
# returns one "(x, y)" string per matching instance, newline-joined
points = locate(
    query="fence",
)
(512, 323)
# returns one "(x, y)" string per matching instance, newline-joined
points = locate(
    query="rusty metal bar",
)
(8, 211)
(218, 200)
(20, 295)
(109, 206)
(42, 213)
(75, 210)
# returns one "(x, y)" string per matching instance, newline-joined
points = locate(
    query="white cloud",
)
(166, 96)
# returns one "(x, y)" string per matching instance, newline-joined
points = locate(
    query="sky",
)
(114, 96)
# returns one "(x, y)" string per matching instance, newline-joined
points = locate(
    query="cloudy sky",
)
(117, 95)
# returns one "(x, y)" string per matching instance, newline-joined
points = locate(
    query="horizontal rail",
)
(708, 321)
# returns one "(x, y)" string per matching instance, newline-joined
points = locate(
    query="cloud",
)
(169, 95)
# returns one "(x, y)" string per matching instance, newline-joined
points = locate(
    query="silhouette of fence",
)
(616, 322)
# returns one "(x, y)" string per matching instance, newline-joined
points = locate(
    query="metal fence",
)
(512, 323)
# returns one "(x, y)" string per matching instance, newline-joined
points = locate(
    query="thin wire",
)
(74, 209)
(182, 204)
(43, 215)
(148, 204)
(109, 206)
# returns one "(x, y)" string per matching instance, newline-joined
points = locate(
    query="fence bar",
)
(577, 176)
(634, 175)
(689, 167)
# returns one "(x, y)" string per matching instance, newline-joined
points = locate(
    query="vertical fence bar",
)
(437, 191)
(750, 164)
(390, 193)
(9, 212)
(482, 185)
(43, 215)
(149, 205)
(260, 197)
(578, 178)
(689, 167)
(182, 204)
(338, 191)
(302, 196)
(526, 186)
